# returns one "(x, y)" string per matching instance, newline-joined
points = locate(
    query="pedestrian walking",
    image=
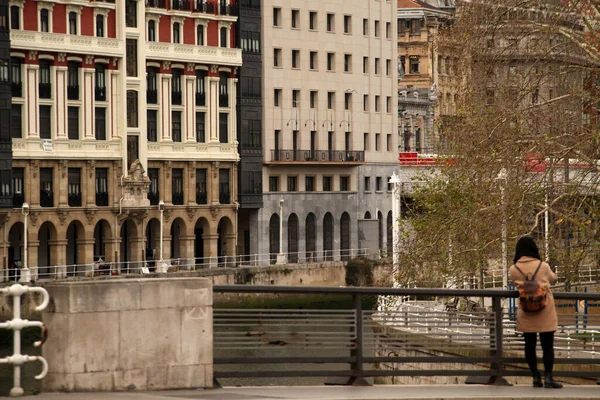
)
(536, 312)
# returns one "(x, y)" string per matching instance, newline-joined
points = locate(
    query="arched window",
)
(390, 236)
(328, 237)
(345, 237)
(310, 236)
(273, 238)
(293, 238)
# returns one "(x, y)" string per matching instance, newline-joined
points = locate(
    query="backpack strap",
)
(522, 273)
(527, 276)
(536, 270)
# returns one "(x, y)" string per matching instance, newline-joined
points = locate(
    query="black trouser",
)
(547, 341)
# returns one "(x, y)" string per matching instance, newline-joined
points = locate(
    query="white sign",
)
(47, 145)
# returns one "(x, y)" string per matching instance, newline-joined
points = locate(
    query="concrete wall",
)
(129, 334)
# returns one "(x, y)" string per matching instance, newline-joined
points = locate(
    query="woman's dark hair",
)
(526, 247)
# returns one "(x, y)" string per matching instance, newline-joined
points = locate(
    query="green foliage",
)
(359, 272)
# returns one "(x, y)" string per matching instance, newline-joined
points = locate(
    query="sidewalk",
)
(387, 392)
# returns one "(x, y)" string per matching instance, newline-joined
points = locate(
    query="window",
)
(132, 64)
(366, 102)
(100, 89)
(313, 98)
(347, 101)
(377, 142)
(390, 185)
(277, 58)
(176, 97)
(224, 37)
(45, 85)
(276, 16)
(273, 184)
(277, 98)
(330, 22)
(132, 109)
(45, 122)
(295, 19)
(176, 38)
(365, 27)
(15, 17)
(74, 187)
(347, 24)
(102, 187)
(292, 183)
(18, 184)
(131, 13)
(200, 35)
(73, 80)
(367, 183)
(415, 26)
(378, 181)
(16, 128)
(133, 149)
(152, 124)
(200, 88)
(388, 67)
(312, 20)
(365, 65)
(152, 30)
(327, 184)
(377, 103)
(295, 58)
(344, 183)
(16, 81)
(295, 98)
(347, 62)
(388, 104)
(73, 121)
(201, 187)
(388, 30)
(388, 142)
(153, 189)
(277, 134)
(223, 128)
(330, 61)
(72, 23)
(414, 65)
(309, 184)
(46, 196)
(151, 85)
(376, 66)
(313, 60)
(366, 142)
(176, 126)
(201, 127)
(377, 27)
(44, 20)
(177, 188)
(100, 123)
(330, 100)
(100, 25)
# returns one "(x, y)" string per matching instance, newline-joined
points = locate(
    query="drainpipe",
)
(117, 223)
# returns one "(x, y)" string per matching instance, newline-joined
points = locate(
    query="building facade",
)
(329, 126)
(117, 106)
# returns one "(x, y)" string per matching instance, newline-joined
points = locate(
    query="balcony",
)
(224, 198)
(83, 45)
(18, 200)
(180, 5)
(151, 96)
(45, 90)
(17, 89)
(228, 9)
(46, 198)
(201, 197)
(200, 99)
(204, 7)
(100, 93)
(176, 98)
(102, 199)
(209, 54)
(153, 197)
(73, 92)
(317, 156)
(177, 198)
(223, 100)
(75, 199)
(156, 3)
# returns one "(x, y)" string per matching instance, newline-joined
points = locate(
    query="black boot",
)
(537, 379)
(550, 383)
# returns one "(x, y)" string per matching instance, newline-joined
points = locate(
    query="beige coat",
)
(544, 320)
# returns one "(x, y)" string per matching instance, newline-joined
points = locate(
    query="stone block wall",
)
(129, 334)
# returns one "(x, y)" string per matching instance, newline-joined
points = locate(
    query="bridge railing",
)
(409, 339)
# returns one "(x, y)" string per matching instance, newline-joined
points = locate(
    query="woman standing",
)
(545, 321)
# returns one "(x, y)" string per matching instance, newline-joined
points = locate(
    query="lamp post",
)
(396, 210)
(501, 178)
(25, 272)
(161, 264)
(281, 256)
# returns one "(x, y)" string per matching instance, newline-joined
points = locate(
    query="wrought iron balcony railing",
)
(17, 89)
(156, 3)
(100, 94)
(18, 200)
(224, 198)
(201, 197)
(200, 99)
(45, 90)
(178, 198)
(46, 198)
(204, 7)
(74, 199)
(176, 98)
(153, 197)
(73, 92)
(228, 9)
(102, 199)
(223, 100)
(180, 5)
(318, 156)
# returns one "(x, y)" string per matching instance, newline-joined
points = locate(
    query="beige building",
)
(329, 128)
(117, 106)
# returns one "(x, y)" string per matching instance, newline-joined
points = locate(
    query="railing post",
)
(496, 335)
(357, 366)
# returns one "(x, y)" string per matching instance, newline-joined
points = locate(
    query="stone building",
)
(329, 126)
(117, 106)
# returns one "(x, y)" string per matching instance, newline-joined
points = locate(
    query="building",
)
(115, 107)
(5, 107)
(329, 126)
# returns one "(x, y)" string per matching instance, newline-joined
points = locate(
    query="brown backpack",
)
(532, 296)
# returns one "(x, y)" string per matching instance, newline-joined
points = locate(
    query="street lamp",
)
(501, 178)
(161, 265)
(281, 256)
(25, 273)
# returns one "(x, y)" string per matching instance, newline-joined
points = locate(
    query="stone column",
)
(85, 256)
(167, 189)
(137, 247)
(88, 93)
(189, 82)
(61, 183)
(190, 181)
(166, 247)
(230, 250)
(211, 251)
(213, 108)
(112, 251)
(31, 77)
(32, 183)
(165, 82)
(58, 256)
(89, 184)
(32, 250)
(61, 101)
(213, 183)
(187, 250)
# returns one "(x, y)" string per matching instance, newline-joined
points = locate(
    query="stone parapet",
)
(129, 334)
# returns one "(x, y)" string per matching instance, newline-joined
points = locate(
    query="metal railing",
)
(73, 92)
(318, 155)
(16, 325)
(409, 339)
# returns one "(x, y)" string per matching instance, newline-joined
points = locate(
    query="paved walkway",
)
(382, 392)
